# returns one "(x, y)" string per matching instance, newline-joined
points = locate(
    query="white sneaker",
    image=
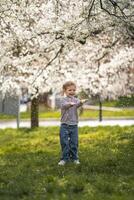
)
(62, 162)
(77, 162)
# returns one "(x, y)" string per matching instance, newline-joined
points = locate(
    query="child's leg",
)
(64, 141)
(73, 142)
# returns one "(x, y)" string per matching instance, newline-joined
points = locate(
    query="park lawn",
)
(29, 170)
(109, 103)
(121, 102)
(107, 114)
(87, 114)
(92, 114)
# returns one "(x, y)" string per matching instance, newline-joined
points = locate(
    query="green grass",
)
(88, 114)
(121, 102)
(110, 103)
(123, 113)
(29, 170)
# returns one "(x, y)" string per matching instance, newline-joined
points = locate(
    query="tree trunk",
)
(35, 112)
(100, 109)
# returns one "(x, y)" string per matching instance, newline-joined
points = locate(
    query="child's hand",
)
(83, 100)
(72, 103)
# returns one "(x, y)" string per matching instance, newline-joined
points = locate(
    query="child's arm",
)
(67, 105)
(81, 102)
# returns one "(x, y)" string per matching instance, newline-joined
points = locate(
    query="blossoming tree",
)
(43, 43)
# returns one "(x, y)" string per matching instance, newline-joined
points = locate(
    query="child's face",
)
(70, 91)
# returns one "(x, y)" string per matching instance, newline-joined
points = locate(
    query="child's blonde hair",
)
(66, 85)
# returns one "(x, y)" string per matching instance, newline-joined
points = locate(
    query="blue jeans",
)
(69, 142)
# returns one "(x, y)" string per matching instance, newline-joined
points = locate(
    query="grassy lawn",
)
(115, 103)
(121, 102)
(29, 170)
(88, 114)
(94, 114)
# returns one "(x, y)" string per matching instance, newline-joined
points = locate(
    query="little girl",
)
(69, 124)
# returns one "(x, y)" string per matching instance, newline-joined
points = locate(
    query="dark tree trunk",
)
(44, 99)
(35, 112)
(100, 109)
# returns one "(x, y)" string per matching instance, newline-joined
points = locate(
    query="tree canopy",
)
(44, 43)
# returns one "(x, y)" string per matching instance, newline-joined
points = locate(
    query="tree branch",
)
(49, 63)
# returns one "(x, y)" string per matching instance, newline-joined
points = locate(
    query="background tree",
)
(44, 43)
